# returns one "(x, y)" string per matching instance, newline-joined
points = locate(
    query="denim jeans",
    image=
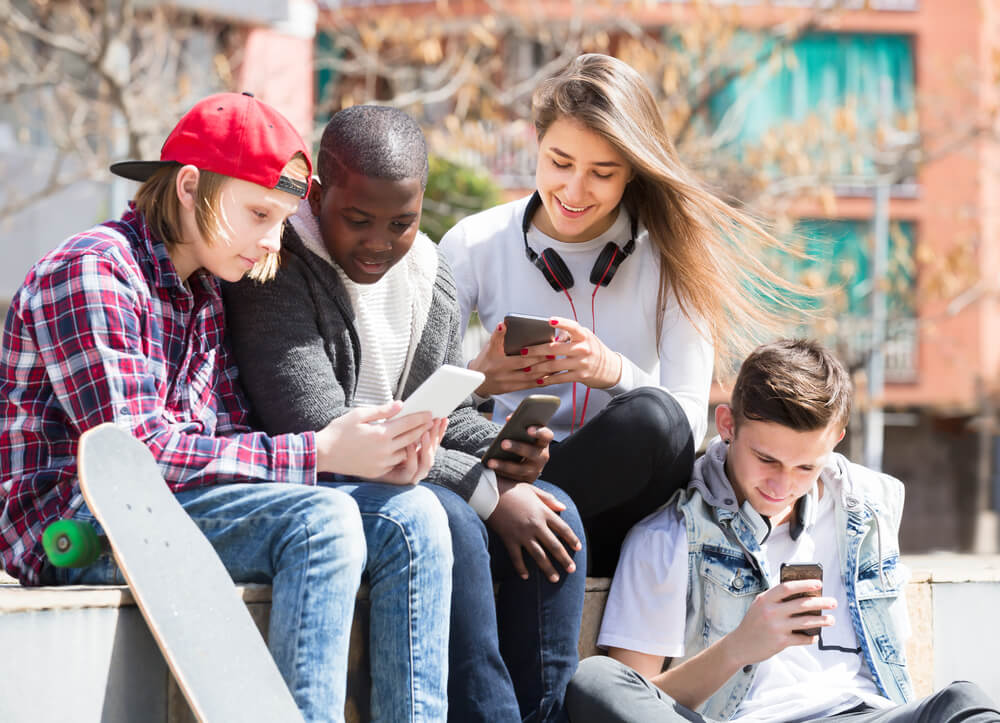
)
(312, 544)
(512, 655)
(607, 691)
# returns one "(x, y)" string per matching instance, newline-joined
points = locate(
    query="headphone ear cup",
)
(607, 264)
(554, 270)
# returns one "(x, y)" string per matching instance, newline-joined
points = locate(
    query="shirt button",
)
(748, 669)
(851, 501)
(123, 410)
(728, 500)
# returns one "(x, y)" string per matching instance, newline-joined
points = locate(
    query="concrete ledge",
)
(120, 675)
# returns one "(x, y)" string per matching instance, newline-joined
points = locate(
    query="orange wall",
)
(959, 195)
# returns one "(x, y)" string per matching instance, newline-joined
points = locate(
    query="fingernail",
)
(554, 578)
(579, 546)
(553, 322)
(571, 568)
(526, 369)
(506, 445)
(539, 381)
(550, 356)
(524, 576)
(524, 352)
(499, 326)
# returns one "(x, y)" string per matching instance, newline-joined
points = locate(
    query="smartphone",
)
(803, 571)
(442, 391)
(523, 330)
(535, 410)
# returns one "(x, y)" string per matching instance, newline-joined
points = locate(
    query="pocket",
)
(730, 586)
(880, 599)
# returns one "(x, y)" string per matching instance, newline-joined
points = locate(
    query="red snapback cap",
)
(233, 134)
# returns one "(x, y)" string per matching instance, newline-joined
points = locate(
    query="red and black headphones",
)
(554, 269)
(560, 278)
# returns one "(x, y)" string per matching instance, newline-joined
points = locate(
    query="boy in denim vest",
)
(698, 581)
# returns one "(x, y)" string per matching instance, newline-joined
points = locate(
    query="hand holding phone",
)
(803, 571)
(535, 410)
(523, 331)
(442, 391)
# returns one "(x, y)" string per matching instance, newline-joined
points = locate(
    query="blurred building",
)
(927, 69)
(924, 72)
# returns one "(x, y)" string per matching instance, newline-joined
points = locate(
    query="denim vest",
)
(727, 568)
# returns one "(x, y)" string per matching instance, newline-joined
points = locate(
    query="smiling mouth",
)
(769, 498)
(571, 209)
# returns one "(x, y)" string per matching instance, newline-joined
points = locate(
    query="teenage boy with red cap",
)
(124, 323)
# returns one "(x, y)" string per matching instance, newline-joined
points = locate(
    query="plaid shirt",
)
(104, 330)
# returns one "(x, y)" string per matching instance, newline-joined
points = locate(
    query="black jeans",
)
(620, 466)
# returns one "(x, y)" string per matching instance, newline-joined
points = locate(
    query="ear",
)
(315, 197)
(187, 186)
(725, 422)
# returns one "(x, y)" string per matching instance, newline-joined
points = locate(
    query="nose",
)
(271, 241)
(779, 483)
(576, 188)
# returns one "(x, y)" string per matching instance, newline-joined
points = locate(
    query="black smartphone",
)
(803, 571)
(524, 330)
(535, 410)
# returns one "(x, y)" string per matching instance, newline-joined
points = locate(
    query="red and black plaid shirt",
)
(103, 330)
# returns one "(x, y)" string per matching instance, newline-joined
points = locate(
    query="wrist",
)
(326, 442)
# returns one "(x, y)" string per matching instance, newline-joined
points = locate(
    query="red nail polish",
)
(553, 322)
(550, 356)
(540, 381)
(524, 352)
(526, 369)
(499, 326)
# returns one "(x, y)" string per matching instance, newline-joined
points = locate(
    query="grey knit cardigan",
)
(298, 354)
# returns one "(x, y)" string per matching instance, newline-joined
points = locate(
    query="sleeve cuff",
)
(626, 382)
(486, 495)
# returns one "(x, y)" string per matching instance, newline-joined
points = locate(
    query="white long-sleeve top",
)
(495, 278)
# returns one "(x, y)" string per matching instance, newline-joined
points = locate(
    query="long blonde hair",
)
(706, 246)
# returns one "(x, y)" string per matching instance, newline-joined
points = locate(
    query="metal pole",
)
(874, 417)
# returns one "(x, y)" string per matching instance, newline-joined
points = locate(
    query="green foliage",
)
(453, 192)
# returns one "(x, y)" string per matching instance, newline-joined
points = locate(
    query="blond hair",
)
(160, 206)
(703, 242)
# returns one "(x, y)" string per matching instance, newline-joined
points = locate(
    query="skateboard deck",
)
(189, 601)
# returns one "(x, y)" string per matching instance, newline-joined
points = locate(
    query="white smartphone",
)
(442, 391)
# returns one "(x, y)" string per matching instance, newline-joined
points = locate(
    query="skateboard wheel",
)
(69, 543)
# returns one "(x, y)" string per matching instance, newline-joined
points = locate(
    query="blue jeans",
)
(512, 655)
(312, 545)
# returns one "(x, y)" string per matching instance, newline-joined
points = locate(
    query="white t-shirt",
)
(646, 612)
(495, 278)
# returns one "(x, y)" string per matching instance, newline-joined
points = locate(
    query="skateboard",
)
(192, 607)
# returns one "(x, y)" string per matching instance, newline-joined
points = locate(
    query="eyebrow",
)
(355, 209)
(564, 154)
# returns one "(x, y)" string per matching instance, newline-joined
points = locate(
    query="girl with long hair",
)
(648, 278)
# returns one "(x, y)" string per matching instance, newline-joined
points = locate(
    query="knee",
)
(962, 694)
(468, 532)
(420, 518)
(655, 416)
(329, 521)
(589, 683)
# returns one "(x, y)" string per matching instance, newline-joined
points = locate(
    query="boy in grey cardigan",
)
(363, 309)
